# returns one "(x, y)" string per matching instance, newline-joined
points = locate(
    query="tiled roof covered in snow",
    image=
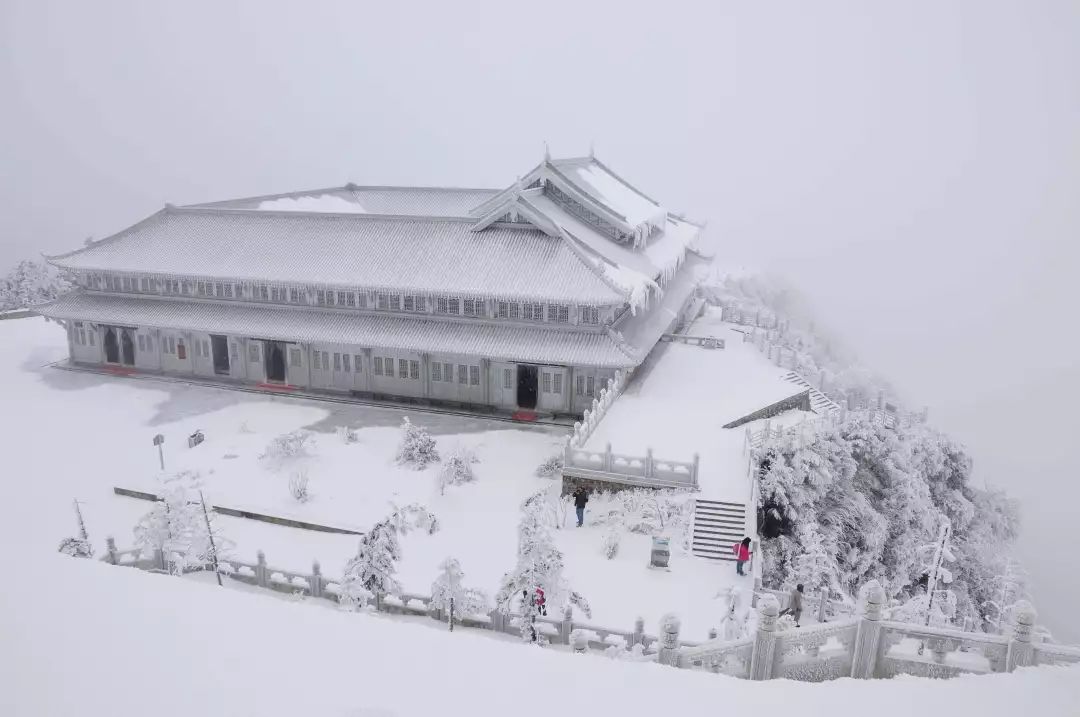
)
(401, 201)
(539, 343)
(420, 254)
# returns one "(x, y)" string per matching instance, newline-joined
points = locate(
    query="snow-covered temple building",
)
(524, 299)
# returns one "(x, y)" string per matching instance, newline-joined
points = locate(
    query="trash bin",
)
(661, 552)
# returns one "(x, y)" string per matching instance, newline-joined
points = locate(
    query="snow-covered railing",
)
(643, 470)
(707, 342)
(600, 405)
(863, 647)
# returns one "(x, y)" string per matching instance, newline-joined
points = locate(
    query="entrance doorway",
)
(119, 346)
(220, 346)
(275, 361)
(526, 386)
(112, 346)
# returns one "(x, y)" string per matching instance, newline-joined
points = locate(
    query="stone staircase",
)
(717, 526)
(819, 402)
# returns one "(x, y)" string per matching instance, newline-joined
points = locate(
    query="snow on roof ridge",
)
(92, 244)
(256, 212)
(347, 187)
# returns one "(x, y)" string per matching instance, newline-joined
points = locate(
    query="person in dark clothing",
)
(581, 497)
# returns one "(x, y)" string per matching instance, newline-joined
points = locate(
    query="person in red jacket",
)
(742, 554)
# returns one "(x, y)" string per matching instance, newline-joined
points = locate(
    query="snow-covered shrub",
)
(417, 447)
(370, 572)
(298, 487)
(456, 469)
(182, 526)
(551, 468)
(76, 548)
(347, 435)
(610, 545)
(539, 563)
(287, 448)
(448, 587)
(785, 623)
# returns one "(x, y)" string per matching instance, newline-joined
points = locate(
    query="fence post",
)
(110, 550)
(261, 576)
(607, 457)
(159, 559)
(316, 580)
(868, 635)
(639, 632)
(567, 624)
(1021, 652)
(824, 598)
(764, 655)
(669, 641)
(697, 463)
(648, 462)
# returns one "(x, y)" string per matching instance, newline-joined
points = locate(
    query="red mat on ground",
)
(523, 416)
(119, 370)
(275, 387)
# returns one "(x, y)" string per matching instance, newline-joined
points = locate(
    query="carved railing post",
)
(697, 464)
(639, 632)
(567, 625)
(607, 457)
(764, 656)
(1021, 652)
(649, 469)
(110, 550)
(262, 578)
(868, 636)
(823, 604)
(316, 579)
(669, 641)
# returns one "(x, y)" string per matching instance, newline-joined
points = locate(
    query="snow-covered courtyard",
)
(78, 435)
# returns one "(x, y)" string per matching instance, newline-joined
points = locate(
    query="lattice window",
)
(320, 297)
(253, 351)
(590, 315)
(556, 386)
(580, 385)
(508, 378)
(448, 372)
(453, 306)
(545, 382)
(462, 373)
(377, 370)
(436, 371)
(503, 310)
(295, 359)
(590, 385)
(345, 363)
(474, 375)
(337, 361)
(358, 363)
(414, 369)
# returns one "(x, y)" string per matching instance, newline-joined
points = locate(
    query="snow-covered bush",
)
(539, 563)
(347, 435)
(551, 468)
(182, 526)
(417, 447)
(298, 487)
(456, 469)
(785, 623)
(370, 573)
(610, 546)
(287, 448)
(447, 591)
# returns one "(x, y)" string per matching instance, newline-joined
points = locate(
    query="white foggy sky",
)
(914, 167)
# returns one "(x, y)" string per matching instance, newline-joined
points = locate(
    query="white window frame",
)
(436, 371)
(463, 374)
(545, 382)
(414, 370)
(474, 375)
(378, 369)
(403, 368)
(508, 378)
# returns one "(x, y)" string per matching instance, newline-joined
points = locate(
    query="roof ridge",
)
(112, 237)
(267, 213)
(625, 183)
(347, 187)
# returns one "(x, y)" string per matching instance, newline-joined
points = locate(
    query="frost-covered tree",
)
(188, 536)
(417, 447)
(456, 469)
(449, 595)
(551, 468)
(79, 546)
(288, 449)
(370, 573)
(610, 545)
(31, 283)
(539, 563)
(1010, 592)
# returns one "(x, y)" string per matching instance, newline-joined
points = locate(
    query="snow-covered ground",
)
(84, 638)
(682, 396)
(77, 435)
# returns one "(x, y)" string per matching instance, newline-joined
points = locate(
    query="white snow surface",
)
(679, 400)
(313, 203)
